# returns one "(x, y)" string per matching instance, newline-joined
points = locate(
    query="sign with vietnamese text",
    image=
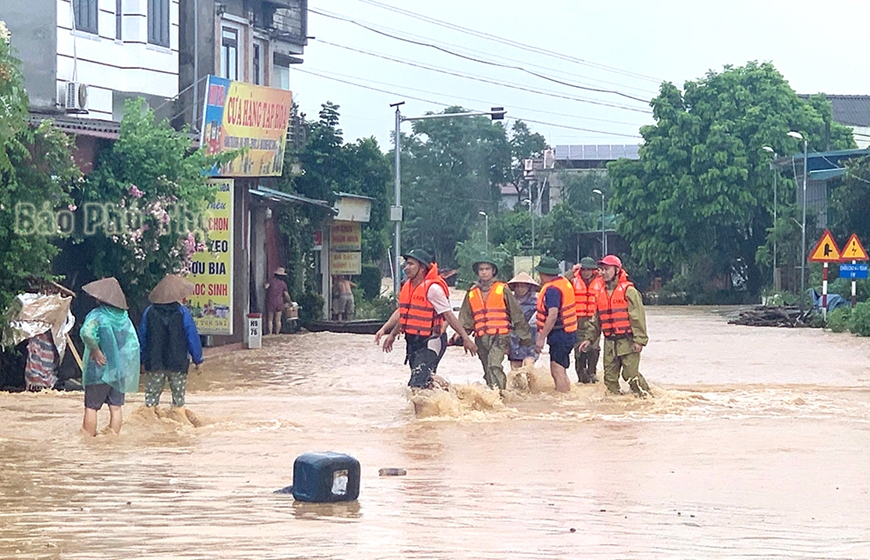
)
(242, 116)
(212, 266)
(854, 270)
(345, 236)
(347, 262)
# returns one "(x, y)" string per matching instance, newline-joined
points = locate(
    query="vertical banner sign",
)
(240, 116)
(212, 269)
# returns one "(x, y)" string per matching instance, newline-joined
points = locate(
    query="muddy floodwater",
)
(756, 444)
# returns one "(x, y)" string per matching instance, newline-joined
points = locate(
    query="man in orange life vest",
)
(620, 316)
(491, 311)
(587, 283)
(557, 320)
(424, 307)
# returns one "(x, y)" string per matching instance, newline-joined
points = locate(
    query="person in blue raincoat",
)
(111, 357)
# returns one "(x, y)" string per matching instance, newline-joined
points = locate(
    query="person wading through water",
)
(557, 320)
(491, 311)
(620, 315)
(424, 307)
(587, 283)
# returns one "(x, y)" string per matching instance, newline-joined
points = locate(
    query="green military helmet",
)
(485, 259)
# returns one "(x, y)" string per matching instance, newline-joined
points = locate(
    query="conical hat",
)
(108, 291)
(523, 278)
(171, 289)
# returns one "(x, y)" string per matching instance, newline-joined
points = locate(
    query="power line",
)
(510, 42)
(485, 80)
(442, 104)
(484, 101)
(480, 60)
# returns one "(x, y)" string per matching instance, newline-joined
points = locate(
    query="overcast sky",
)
(627, 46)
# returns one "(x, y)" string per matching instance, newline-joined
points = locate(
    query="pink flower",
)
(72, 207)
(135, 192)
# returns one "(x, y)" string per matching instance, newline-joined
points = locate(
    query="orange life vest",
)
(587, 294)
(613, 309)
(490, 316)
(567, 313)
(416, 315)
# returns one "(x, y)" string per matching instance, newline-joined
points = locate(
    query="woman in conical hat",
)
(524, 288)
(111, 358)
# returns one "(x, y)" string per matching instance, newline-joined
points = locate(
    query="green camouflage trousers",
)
(491, 349)
(628, 365)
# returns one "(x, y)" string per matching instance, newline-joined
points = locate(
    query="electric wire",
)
(486, 80)
(442, 104)
(510, 42)
(459, 97)
(482, 61)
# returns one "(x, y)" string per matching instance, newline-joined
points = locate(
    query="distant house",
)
(852, 111)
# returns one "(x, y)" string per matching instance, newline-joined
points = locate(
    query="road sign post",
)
(826, 251)
(854, 251)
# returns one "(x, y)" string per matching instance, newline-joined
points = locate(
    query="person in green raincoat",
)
(111, 357)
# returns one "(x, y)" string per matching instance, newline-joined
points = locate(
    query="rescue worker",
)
(491, 311)
(587, 282)
(557, 320)
(424, 307)
(619, 314)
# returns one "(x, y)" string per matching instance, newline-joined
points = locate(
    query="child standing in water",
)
(111, 357)
(524, 288)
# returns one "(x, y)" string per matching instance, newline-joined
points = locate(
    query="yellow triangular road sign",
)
(853, 250)
(826, 249)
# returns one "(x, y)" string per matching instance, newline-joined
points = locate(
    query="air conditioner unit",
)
(76, 97)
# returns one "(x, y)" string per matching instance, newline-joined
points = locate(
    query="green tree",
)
(152, 190)
(36, 175)
(700, 197)
(451, 170)
(328, 166)
(524, 144)
(849, 201)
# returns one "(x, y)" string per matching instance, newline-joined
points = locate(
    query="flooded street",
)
(755, 445)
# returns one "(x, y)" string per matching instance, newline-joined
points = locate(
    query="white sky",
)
(817, 46)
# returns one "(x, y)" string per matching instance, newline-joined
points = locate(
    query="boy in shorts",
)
(557, 320)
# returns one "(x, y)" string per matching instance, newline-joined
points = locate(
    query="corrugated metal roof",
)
(851, 110)
(86, 127)
(279, 196)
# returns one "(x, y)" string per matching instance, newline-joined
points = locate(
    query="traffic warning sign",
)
(826, 249)
(853, 250)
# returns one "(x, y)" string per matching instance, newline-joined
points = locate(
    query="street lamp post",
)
(799, 136)
(496, 113)
(775, 173)
(603, 234)
(532, 214)
(485, 228)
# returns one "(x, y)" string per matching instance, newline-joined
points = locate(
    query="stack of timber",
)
(766, 316)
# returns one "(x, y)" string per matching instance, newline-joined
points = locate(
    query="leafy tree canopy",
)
(701, 194)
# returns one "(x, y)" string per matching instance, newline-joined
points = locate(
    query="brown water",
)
(756, 445)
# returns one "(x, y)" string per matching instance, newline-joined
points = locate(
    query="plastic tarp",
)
(32, 314)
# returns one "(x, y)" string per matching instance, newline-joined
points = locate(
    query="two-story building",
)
(82, 59)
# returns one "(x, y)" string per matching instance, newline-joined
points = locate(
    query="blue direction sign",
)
(860, 270)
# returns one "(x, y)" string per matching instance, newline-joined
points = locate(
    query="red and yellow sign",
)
(826, 249)
(212, 268)
(853, 250)
(242, 116)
